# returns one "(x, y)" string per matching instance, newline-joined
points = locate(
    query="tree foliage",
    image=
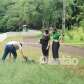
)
(34, 13)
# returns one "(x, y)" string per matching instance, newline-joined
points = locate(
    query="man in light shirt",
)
(11, 48)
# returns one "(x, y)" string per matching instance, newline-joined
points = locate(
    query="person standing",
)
(55, 44)
(45, 45)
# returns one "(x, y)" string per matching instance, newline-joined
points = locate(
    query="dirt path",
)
(67, 49)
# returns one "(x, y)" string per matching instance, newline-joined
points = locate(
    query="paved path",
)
(72, 50)
(3, 36)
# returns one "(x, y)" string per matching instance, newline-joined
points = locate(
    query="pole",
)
(63, 17)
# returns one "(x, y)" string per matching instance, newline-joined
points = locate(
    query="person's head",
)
(75, 1)
(54, 30)
(46, 31)
(21, 44)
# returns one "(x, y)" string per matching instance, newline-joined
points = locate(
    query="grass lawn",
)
(29, 73)
(19, 73)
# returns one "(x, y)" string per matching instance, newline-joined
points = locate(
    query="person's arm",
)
(48, 43)
(61, 38)
(23, 56)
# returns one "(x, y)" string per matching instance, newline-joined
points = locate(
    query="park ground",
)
(30, 73)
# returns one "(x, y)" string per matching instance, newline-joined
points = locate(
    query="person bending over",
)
(11, 48)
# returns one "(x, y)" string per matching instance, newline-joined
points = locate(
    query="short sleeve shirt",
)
(15, 44)
(55, 36)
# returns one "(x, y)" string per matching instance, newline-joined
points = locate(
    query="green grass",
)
(19, 73)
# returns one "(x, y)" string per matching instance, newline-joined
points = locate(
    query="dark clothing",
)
(44, 42)
(55, 49)
(45, 51)
(8, 50)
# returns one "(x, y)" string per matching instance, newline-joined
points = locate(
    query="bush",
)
(75, 35)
